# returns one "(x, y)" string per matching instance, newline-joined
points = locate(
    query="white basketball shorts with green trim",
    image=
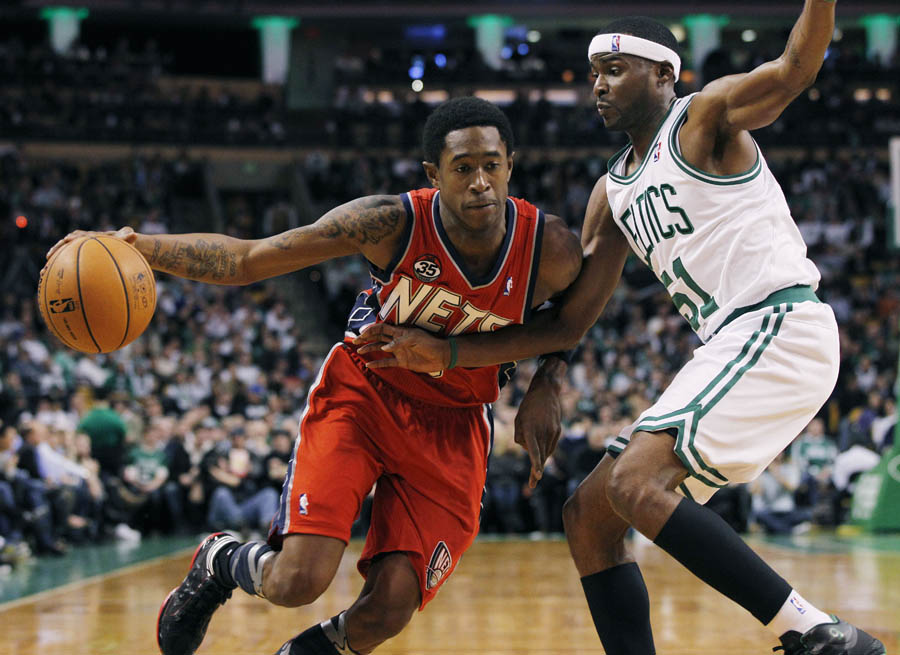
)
(746, 394)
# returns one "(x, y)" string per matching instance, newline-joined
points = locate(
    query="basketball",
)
(97, 294)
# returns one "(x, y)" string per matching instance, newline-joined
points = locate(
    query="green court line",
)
(833, 543)
(46, 573)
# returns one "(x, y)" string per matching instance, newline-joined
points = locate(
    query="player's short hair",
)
(645, 28)
(458, 114)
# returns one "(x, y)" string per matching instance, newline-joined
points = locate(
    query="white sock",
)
(797, 614)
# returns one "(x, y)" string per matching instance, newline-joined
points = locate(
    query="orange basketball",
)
(97, 294)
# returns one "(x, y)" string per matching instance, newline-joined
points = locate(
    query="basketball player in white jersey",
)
(692, 196)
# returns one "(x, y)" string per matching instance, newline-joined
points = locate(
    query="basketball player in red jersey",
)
(457, 258)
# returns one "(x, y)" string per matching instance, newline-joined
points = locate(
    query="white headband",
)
(628, 44)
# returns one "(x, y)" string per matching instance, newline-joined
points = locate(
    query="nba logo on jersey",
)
(438, 566)
(615, 43)
(657, 151)
(508, 288)
(304, 504)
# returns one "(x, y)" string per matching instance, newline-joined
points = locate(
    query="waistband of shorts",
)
(799, 293)
(385, 387)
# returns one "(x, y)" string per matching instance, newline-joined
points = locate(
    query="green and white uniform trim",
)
(687, 419)
(718, 243)
(748, 392)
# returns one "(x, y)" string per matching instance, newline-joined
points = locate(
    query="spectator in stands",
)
(35, 517)
(507, 477)
(813, 453)
(107, 431)
(146, 475)
(241, 498)
(774, 506)
(276, 462)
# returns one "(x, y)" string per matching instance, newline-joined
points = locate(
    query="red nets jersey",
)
(428, 286)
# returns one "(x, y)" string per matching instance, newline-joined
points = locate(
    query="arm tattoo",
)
(198, 259)
(367, 220)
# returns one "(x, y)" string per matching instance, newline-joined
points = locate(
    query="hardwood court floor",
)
(506, 598)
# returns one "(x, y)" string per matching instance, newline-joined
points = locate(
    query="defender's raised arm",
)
(753, 100)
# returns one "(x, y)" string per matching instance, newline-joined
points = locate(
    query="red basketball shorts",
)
(429, 463)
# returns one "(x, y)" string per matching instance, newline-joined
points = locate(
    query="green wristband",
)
(453, 353)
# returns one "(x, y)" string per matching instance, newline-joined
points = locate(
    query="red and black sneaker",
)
(837, 638)
(186, 611)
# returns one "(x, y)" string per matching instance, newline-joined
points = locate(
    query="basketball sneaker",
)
(186, 611)
(838, 638)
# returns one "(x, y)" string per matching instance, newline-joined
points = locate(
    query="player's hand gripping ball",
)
(97, 293)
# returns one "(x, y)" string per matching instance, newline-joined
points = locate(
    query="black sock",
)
(708, 547)
(620, 608)
(220, 565)
(311, 641)
(314, 640)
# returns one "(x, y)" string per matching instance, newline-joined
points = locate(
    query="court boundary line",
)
(75, 584)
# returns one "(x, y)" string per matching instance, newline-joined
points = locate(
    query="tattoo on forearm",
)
(366, 220)
(198, 259)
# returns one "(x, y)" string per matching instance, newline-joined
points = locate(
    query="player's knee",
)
(385, 617)
(395, 595)
(626, 488)
(573, 512)
(296, 587)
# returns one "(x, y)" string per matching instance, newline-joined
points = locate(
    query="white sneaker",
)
(124, 532)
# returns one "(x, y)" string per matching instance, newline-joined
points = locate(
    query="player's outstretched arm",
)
(753, 100)
(558, 328)
(369, 225)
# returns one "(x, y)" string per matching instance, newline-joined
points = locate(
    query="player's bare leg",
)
(596, 534)
(612, 582)
(302, 570)
(641, 490)
(387, 602)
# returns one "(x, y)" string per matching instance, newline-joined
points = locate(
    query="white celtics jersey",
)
(718, 243)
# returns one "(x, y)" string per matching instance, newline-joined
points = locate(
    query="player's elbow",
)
(797, 76)
(570, 334)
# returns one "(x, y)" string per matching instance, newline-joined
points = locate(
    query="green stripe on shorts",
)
(702, 403)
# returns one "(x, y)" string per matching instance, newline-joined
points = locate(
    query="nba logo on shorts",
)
(438, 566)
(304, 504)
(615, 43)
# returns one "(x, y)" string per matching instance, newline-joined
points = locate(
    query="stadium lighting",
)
(268, 22)
(53, 13)
(533, 36)
(489, 37)
(275, 46)
(65, 25)
(881, 35)
(748, 36)
(417, 86)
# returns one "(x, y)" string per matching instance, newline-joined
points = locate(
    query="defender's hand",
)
(411, 348)
(538, 424)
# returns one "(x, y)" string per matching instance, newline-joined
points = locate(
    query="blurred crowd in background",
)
(122, 93)
(191, 427)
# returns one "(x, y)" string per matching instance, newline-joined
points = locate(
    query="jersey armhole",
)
(700, 174)
(535, 265)
(384, 275)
